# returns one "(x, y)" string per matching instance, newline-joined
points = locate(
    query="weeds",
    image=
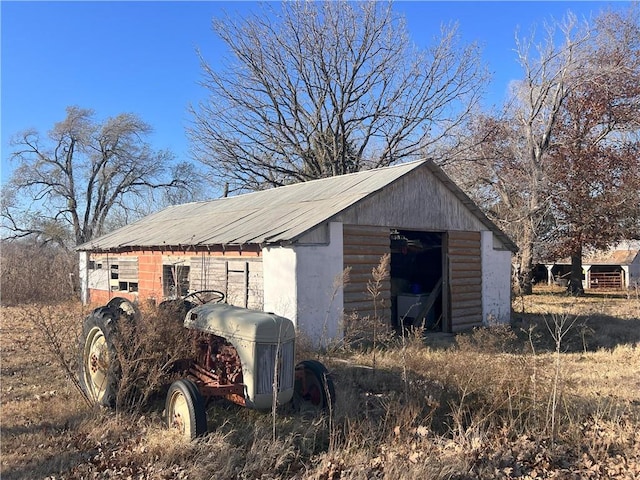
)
(475, 410)
(374, 287)
(31, 273)
(559, 326)
(147, 351)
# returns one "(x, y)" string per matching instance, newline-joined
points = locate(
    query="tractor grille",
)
(266, 366)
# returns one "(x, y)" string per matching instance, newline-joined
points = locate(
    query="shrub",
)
(37, 273)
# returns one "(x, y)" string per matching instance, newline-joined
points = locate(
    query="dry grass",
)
(474, 407)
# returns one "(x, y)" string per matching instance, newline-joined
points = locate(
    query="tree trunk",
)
(525, 273)
(575, 287)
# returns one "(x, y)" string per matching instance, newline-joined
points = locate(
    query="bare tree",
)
(325, 88)
(65, 186)
(540, 168)
(506, 165)
(595, 160)
(538, 100)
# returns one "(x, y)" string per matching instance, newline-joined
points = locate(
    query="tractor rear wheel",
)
(99, 371)
(313, 387)
(98, 362)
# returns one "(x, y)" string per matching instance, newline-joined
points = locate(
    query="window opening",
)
(175, 280)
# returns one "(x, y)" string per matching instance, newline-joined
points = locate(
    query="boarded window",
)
(239, 279)
(117, 274)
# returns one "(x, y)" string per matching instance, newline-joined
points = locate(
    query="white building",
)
(287, 249)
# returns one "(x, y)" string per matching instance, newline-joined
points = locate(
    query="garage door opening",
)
(416, 279)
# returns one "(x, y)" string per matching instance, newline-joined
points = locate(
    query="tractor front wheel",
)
(185, 409)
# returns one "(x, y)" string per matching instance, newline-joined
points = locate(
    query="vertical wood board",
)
(465, 279)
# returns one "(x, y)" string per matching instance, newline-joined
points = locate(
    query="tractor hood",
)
(233, 322)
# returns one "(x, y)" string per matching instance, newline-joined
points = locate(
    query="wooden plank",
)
(466, 290)
(459, 236)
(352, 230)
(362, 277)
(463, 266)
(383, 315)
(461, 313)
(360, 269)
(363, 248)
(465, 326)
(366, 303)
(462, 282)
(468, 304)
(350, 295)
(465, 279)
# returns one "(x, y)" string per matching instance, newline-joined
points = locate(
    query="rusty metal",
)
(217, 370)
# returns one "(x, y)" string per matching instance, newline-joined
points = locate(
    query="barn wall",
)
(465, 280)
(303, 283)
(414, 202)
(319, 275)
(496, 280)
(240, 278)
(634, 272)
(280, 288)
(243, 283)
(83, 274)
(364, 247)
(149, 277)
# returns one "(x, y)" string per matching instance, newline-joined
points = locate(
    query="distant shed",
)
(286, 249)
(615, 269)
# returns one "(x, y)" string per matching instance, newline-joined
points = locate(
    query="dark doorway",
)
(416, 279)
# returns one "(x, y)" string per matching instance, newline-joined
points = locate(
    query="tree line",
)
(316, 89)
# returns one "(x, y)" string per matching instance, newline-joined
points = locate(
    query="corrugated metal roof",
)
(267, 217)
(612, 257)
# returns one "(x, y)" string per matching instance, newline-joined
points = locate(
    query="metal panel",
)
(267, 217)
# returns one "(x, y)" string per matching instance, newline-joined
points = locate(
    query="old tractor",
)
(245, 356)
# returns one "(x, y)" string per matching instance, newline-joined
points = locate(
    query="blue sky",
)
(140, 57)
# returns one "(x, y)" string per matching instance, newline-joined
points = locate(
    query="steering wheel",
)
(201, 297)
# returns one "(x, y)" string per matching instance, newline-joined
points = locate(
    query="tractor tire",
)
(313, 387)
(99, 369)
(185, 410)
(99, 373)
(123, 307)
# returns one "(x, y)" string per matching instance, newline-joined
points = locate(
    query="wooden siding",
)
(240, 279)
(126, 268)
(244, 289)
(465, 280)
(418, 202)
(364, 246)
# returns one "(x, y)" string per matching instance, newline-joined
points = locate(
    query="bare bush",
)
(37, 273)
(371, 331)
(150, 351)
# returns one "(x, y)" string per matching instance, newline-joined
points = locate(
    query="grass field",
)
(501, 402)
